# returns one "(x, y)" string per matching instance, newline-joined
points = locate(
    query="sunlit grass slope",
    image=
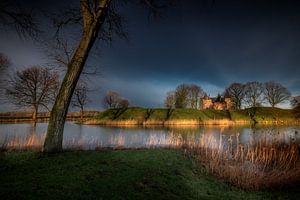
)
(260, 114)
(130, 174)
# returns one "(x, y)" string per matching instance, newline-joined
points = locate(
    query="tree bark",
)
(34, 114)
(92, 23)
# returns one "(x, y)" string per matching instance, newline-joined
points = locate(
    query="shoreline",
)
(167, 123)
(164, 123)
(44, 120)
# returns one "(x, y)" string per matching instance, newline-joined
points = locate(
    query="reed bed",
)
(29, 142)
(119, 141)
(266, 164)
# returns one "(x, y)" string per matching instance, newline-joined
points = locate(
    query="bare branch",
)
(254, 94)
(22, 20)
(275, 93)
(86, 13)
(156, 8)
(236, 91)
(33, 87)
(170, 99)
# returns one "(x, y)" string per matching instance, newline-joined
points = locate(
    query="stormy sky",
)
(209, 43)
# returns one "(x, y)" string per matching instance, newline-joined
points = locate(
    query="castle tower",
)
(228, 103)
(206, 102)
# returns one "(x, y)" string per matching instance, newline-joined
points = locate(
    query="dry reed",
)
(266, 164)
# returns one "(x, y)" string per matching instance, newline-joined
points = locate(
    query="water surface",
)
(92, 137)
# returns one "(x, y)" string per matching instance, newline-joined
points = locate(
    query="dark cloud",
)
(209, 44)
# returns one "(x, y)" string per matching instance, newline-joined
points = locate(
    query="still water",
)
(26, 136)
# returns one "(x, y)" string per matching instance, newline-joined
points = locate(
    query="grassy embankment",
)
(131, 174)
(159, 116)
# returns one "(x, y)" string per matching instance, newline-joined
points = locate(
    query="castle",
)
(217, 103)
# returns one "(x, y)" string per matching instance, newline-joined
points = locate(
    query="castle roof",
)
(215, 99)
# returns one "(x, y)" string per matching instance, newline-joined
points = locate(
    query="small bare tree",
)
(254, 94)
(123, 103)
(33, 87)
(182, 96)
(194, 94)
(236, 91)
(170, 99)
(295, 102)
(80, 98)
(111, 99)
(275, 93)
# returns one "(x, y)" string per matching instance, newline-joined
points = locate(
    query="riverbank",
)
(26, 117)
(127, 174)
(192, 117)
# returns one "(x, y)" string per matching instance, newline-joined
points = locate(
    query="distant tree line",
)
(250, 94)
(36, 87)
(255, 94)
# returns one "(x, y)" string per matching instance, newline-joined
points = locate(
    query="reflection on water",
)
(24, 136)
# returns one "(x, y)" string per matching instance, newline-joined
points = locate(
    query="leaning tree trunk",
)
(34, 114)
(91, 24)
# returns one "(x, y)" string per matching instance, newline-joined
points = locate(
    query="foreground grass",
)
(130, 174)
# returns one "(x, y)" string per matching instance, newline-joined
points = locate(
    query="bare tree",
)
(170, 99)
(94, 15)
(275, 93)
(254, 94)
(236, 91)
(111, 99)
(195, 93)
(33, 87)
(123, 103)
(80, 98)
(182, 96)
(20, 18)
(295, 102)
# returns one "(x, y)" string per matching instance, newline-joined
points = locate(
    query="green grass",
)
(130, 174)
(239, 115)
(160, 114)
(264, 113)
